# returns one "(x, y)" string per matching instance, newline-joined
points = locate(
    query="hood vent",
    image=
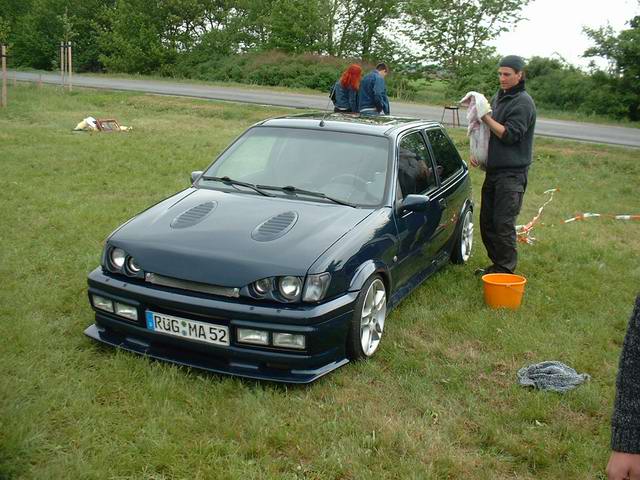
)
(194, 215)
(275, 227)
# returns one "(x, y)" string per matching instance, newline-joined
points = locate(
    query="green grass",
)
(432, 92)
(439, 400)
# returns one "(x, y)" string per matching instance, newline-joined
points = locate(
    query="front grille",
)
(156, 279)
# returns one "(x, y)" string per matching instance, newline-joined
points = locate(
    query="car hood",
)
(232, 239)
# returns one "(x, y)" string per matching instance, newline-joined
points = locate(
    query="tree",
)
(296, 26)
(37, 27)
(375, 15)
(5, 30)
(132, 37)
(358, 27)
(623, 53)
(455, 33)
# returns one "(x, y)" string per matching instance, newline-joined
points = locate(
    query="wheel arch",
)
(365, 270)
(468, 203)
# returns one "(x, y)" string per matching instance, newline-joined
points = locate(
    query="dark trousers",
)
(502, 194)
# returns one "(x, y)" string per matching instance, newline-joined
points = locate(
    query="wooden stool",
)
(455, 117)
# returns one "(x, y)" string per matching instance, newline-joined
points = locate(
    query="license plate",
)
(189, 329)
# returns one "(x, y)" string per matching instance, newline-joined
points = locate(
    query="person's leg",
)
(487, 229)
(509, 192)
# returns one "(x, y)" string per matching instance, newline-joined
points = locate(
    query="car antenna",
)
(327, 107)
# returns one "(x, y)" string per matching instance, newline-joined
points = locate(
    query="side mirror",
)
(195, 175)
(414, 203)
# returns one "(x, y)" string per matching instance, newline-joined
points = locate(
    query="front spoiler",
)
(211, 364)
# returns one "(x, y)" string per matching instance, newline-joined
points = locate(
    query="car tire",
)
(367, 323)
(464, 238)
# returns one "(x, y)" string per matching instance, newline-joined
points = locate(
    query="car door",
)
(452, 177)
(415, 175)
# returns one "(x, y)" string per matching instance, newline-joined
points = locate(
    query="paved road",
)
(552, 128)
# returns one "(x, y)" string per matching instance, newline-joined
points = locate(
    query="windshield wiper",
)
(230, 181)
(299, 191)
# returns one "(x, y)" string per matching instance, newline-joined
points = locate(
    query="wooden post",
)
(70, 69)
(3, 52)
(63, 60)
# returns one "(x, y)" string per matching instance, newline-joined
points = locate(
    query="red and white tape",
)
(585, 215)
(523, 232)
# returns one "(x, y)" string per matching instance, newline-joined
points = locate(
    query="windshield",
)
(345, 166)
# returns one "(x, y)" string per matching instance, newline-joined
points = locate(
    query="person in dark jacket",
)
(373, 98)
(512, 123)
(624, 462)
(346, 90)
(413, 173)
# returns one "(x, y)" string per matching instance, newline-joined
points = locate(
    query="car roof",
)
(383, 125)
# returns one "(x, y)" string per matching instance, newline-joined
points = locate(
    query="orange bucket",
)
(503, 290)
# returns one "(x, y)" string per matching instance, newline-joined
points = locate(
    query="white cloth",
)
(88, 123)
(478, 131)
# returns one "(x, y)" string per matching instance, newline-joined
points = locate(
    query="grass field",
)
(438, 401)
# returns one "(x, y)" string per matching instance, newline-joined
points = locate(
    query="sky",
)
(554, 27)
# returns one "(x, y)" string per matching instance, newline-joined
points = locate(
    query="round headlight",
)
(262, 287)
(117, 257)
(290, 287)
(132, 266)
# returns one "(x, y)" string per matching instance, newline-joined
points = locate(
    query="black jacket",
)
(513, 108)
(625, 423)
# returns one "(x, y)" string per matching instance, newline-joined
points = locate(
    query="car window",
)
(250, 158)
(414, 165)
(346, 166)
(447, 159)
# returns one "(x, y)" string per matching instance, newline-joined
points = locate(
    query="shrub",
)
(275, 68)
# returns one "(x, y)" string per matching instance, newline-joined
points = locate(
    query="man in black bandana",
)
(512, 123)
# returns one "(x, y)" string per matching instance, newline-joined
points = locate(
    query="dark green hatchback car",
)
(284, 257)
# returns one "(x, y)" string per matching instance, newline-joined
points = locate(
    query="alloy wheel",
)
(372, 316)
(466, 236)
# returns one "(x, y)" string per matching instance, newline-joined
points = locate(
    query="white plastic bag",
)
(87, 124)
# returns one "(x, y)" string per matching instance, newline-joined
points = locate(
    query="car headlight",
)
(132, 266)
(127, 311)
(263, 286)
(102, 303)
(315, 287)
(249, 335)
(289, 340)
(117, 257)
(117, 260)
(290, 287)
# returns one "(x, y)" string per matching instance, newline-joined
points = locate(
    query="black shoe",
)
(490, 269)
(478, 272)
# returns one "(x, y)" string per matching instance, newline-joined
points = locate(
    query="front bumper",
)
(325, 327)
